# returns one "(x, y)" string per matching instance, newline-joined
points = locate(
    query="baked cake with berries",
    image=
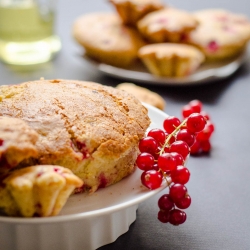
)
(37, 191)
(106, 39)
(171, 59)
(17, 143)
(225, 35)
(131, 11)
(166, 25)
(89, 128)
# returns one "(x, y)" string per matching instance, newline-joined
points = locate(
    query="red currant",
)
(180, 175)
(177, 217)
(149, 145)
(205, 146)
(165, 202)
(167, 162)
(145, 161)
(170, 123)
(185, 135)
(195, 122)
(158, 135)
(163, 216)
(195, 148)
(180, 147)
(184, 202)
(177, 191)
(178, 157)
(151, 179)
(187, 110)
(196, 105)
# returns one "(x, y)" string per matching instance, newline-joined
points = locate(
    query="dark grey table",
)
(219, 216)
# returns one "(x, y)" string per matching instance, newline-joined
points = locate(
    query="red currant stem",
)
(171, 135)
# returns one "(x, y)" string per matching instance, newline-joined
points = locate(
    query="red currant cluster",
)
(163, 155)
(202, 140)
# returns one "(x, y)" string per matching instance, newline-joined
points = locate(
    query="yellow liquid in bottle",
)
(26, 34)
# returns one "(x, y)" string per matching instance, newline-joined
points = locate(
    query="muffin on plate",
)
(170, 59)
(37, 191)
(131, 11)
(221, 34)
(89, 128)
(166, 25)
(105, 39)
(143, 94)
(17, 143)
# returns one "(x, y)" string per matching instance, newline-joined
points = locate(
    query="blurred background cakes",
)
(171, 60)
(131, 11)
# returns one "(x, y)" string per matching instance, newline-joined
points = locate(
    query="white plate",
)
(208, 72)
(86, 221)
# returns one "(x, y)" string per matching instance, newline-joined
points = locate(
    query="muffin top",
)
(74, 118)
(104, 31)
(223, 29)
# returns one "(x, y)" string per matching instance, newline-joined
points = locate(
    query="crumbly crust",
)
(166, 25)
(84, 126)
(17, 143)
(224, 35)
(37, 191)
(144, 95)
(107, 40)
(131, 11)
(170, 59)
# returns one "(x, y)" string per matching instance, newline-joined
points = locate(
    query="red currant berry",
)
(180, 147)
(186, 136)
(171, 123)
(187, 110)
(177, 191)
(210, 125)
(178, 157)
(204, 134)
(158, 135)
(155, 167)
(163, 216)
(167, 162)
(180, 175)
(149, 145)
(165, 202)
(196, 106)
(177, 217)
(205, 146)
(151, 179)
(184, 202)
(195, 148)
(145, 161)
(195, 122)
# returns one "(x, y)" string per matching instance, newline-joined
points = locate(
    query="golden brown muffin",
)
(143, 94)
(131, 11)
(166, 25)
(105, 39)
(17, 143)
(170, 59)
(89, 128)
(221, 34)
(37, 191)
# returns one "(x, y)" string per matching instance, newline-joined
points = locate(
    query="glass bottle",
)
(27, 32)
